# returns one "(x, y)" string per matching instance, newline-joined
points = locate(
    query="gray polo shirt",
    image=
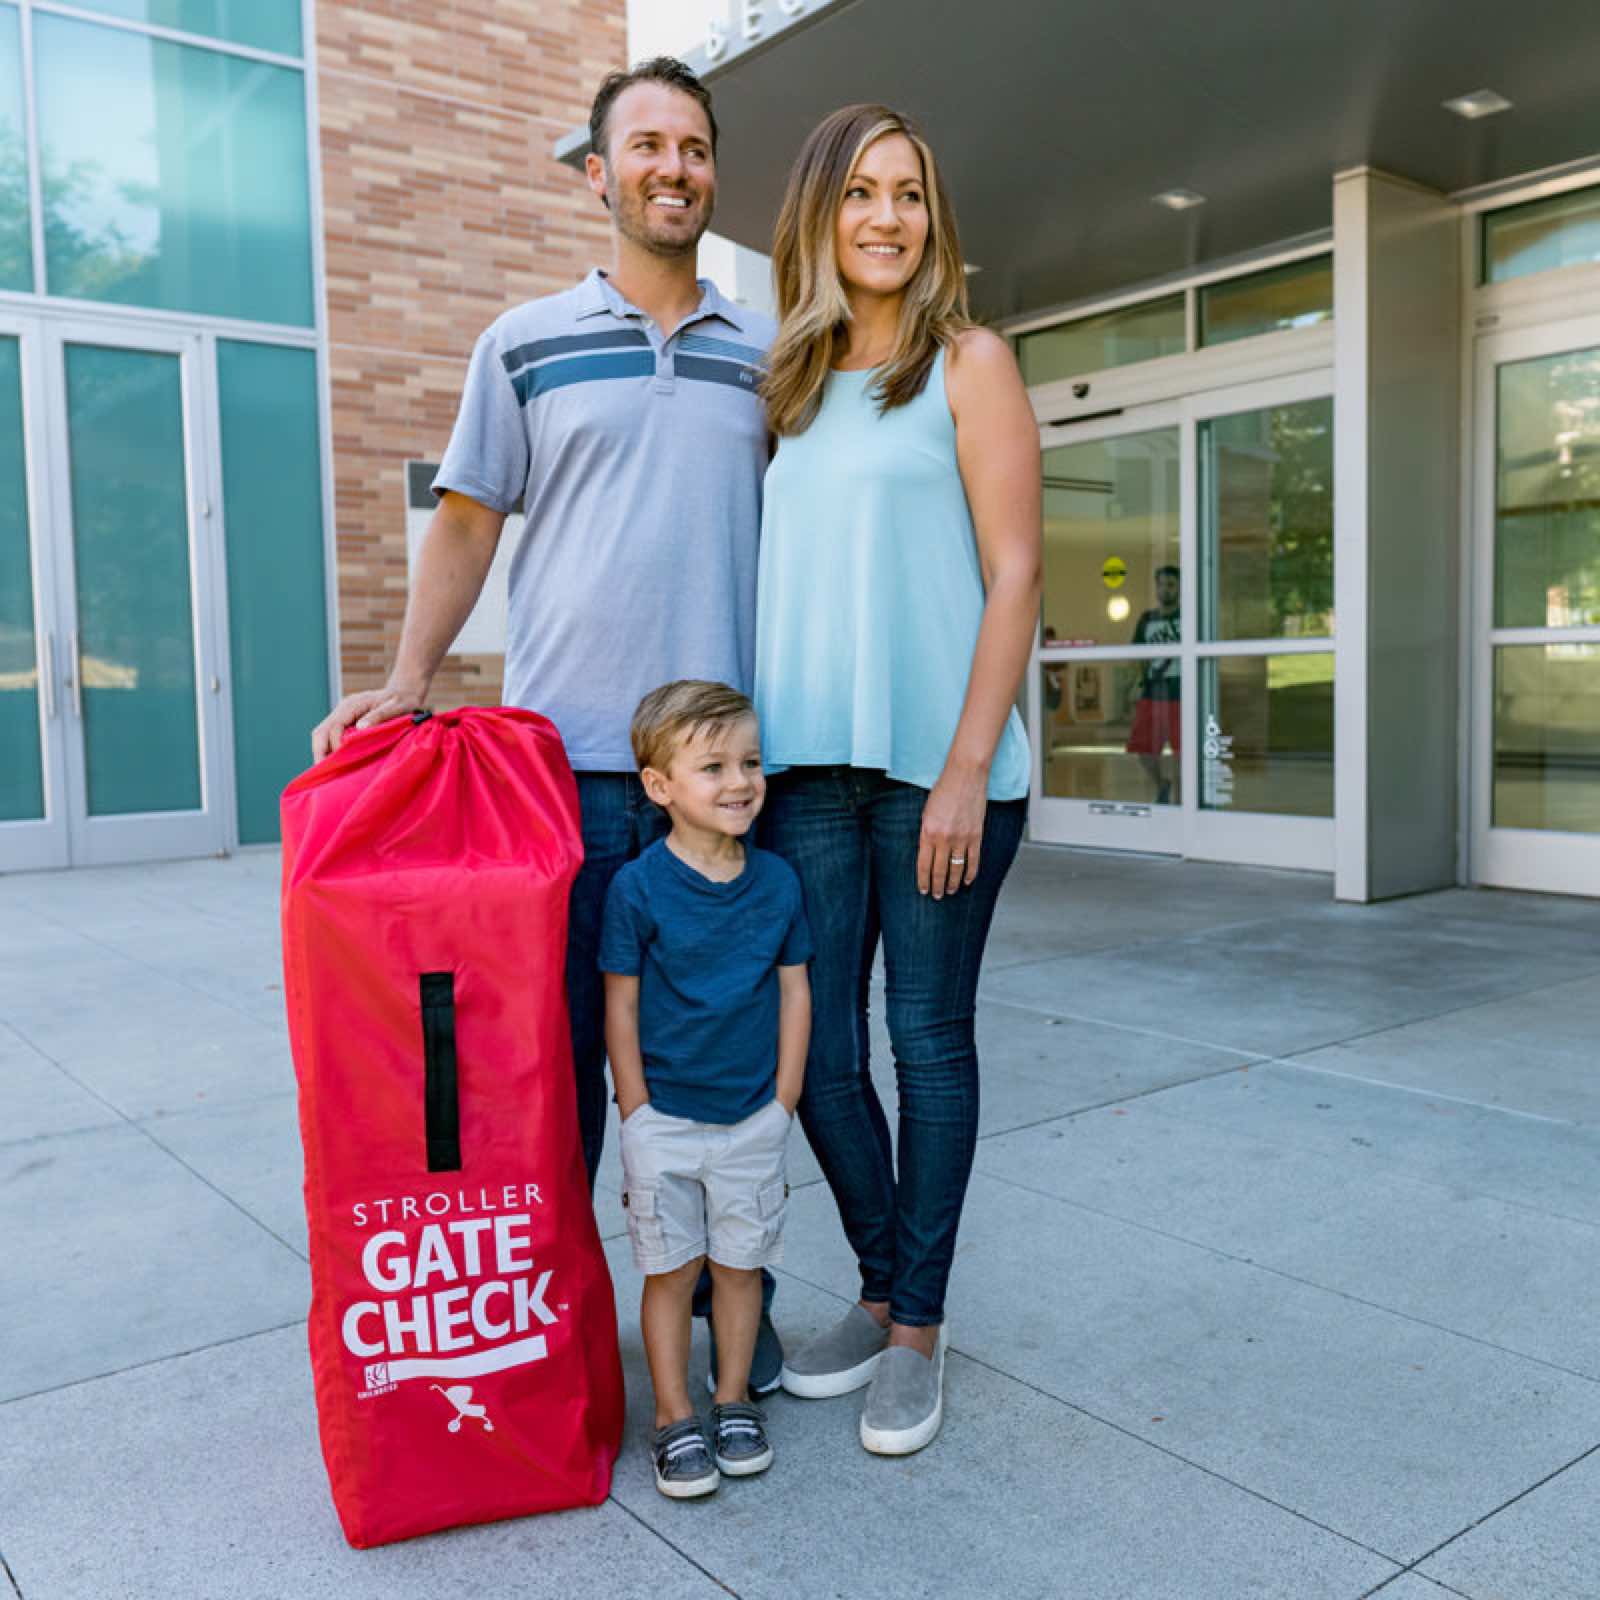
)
(639, 462)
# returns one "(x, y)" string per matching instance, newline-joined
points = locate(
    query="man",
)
(1157, 719)
(623, 414)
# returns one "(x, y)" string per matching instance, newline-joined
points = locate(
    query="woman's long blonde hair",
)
(813, 311)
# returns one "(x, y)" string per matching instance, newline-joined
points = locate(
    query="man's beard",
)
(635, 223)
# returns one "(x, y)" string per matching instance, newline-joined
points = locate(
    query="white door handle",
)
(47, 679)
(75, 657)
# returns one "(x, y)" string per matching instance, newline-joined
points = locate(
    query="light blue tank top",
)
(869, 593)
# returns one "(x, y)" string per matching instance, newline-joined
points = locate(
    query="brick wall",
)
(442, 207)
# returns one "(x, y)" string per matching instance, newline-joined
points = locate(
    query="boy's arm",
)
(794, 1033)
(622, 1042)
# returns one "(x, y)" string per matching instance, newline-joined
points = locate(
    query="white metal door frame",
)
(31, 845)
(152, 835)
(1513, 858)
(1185, 829)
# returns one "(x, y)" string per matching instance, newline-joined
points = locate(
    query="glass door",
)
(1106, 684)
(1536, 636)
(1181, 699)
(33, 801)
(139, 681)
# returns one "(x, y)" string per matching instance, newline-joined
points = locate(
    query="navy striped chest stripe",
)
(547, 364)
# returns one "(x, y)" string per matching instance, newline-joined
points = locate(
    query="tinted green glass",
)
(1112, 339)
(1266, 726)
(1547, 492)
(1266, 523)
(277, 606)
(187, 189)
(262, 24)
(1299, 295)
(21, 768)
(16, 248)
(1547, 737)
(130, 530)
(1563, 231)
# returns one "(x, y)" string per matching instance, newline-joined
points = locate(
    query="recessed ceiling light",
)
(969, 267)
(1480, 103)
(1179, 199)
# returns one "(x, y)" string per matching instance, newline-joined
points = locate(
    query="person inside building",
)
(1158, 714)
(623, 413)
(897, 602)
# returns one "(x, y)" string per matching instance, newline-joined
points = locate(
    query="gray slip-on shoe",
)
(905, 1404)
(837, 1361)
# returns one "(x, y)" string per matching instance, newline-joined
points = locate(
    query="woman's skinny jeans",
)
(852, 835)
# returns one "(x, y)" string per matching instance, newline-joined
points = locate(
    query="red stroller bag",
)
(463, 1331)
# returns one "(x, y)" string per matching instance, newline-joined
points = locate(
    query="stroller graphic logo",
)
(460, 1396)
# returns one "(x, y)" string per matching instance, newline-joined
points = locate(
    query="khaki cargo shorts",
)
(705, 1188)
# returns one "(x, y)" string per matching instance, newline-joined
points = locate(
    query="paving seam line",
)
(1487, 1516)
(1129, 1433)
(1270, 1056)
(1429, 1094)
(166, 1150)
(11, 1577)
(1140, 944)
(1290, 1277)
(676, 1549)
(152, 1361)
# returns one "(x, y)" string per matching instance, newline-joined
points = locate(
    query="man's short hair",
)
(676, 712)
(659, 69)
(1163, 572)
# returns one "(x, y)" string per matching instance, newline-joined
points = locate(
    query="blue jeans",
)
(852, 835)
(619, 820)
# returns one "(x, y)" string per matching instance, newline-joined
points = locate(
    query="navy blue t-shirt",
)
(706, 955)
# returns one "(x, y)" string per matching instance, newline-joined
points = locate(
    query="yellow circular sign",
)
(1115, 572)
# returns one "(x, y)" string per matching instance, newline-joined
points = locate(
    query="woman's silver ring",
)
(958, 861)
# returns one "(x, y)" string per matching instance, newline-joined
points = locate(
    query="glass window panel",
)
(1547, 492)
(21, 766)
(1266, 525)
(1299, 295)
(277, 607)
(1110, 530)
(1109, 731)
(131, 551)
(187, 190)
(1563, 231)
(16, 245)
(1112, 339)
(261, 24)
(1547, 737)
(1267, 734)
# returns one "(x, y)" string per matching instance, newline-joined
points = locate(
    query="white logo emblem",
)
(378, 1375)
(460, 1396)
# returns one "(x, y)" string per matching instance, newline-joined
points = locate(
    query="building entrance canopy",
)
(1057, 124)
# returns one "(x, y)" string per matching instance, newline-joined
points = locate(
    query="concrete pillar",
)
(1397, 351)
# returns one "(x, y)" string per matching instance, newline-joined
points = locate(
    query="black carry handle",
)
(441, 1100)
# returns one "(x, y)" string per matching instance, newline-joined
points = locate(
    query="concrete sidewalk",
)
(1280, 1274)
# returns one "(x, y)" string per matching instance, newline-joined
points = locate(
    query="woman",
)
(897, 601)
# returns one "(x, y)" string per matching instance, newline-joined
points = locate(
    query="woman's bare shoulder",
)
(978, 359)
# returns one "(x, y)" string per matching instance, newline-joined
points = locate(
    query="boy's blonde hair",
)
(676, 712)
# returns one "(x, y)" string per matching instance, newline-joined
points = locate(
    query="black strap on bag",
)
(441, 1099)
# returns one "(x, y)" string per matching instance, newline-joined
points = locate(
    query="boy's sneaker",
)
(739, 1435)
(766, 1364)
(684, 1467)
(835, 1362)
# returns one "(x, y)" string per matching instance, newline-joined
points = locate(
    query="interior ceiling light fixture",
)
(1480, 103)
(1179, 199)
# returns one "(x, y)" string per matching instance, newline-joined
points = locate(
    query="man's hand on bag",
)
(362, 711)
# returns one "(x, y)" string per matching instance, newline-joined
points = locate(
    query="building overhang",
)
(1056, 125)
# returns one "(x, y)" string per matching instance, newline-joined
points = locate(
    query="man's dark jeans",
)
(852, 836)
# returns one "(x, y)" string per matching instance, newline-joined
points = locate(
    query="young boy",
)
(708, 1013)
